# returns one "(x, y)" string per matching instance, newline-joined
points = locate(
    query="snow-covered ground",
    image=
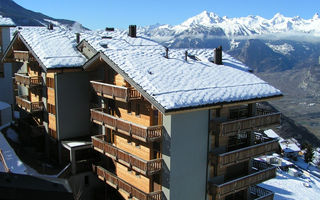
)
(287, 187)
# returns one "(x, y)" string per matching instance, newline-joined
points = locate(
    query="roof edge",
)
(220, 105)
(16, 36)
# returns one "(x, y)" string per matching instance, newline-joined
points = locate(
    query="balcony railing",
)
(261, 172)
(28, 81)
(29, 106)
(143, 133)
(142, 166)
(229, 158)
(22, 56)
(259, 193)
(115, 92)
(118, 183)
(233, 127)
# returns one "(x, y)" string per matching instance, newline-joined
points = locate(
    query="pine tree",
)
(308, 156)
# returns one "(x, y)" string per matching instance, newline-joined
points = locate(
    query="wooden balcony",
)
(260, 172)
(261, 147)
(259, 193)
(142, 166)
(115, 92)
(28, 81)
(22, 56)
(232, 127)
(143, 133)
(29, 106)
(119, 184)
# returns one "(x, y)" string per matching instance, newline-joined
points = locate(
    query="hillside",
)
(24, 17)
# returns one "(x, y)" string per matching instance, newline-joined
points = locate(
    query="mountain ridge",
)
(25, 17)
(251, 25)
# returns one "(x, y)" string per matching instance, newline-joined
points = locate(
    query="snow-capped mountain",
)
(243, 26)
(275, 44)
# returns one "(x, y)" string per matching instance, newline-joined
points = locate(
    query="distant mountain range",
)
(275, 44)
(24, 17)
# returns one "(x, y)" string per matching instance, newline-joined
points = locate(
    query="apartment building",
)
(167, 123)
(50, 80)
(177, 123)
(6, 70)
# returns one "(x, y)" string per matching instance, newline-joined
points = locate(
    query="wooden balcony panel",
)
(28, 81)
(115, 92)
(29, 106)
(120, 184)
(229, 187)
(233, 127)
(243, 154)
(142, 166)
(22, 56)
(139, 132)
(259, 193)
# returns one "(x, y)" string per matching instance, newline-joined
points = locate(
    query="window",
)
(51, 109)
(129, 107)
(50, 82)
(239, 113)
(218, 112)
(86, 180)
(137, 109)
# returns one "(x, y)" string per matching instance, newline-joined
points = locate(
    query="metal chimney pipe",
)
(50, 26)
(133, 31)
(78, 37)
(109, 29)
(186, 55)
(218, 55)
(167, 53)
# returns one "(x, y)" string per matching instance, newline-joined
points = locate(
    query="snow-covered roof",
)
(288, 146)
(271, 134)
(5, 21)
(175, 83)
(55, 48)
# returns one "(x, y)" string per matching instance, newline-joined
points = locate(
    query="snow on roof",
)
(4, 105)
(288, 146)
(55, 48)
(271, 134)
(5, 21)
(176, 83)
(288, 187)
(12, 160)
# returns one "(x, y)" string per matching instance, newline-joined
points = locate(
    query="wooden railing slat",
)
(143, 133)
(148, 167)
(110, 178)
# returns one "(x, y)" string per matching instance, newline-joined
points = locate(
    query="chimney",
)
(218, 55)
(133, 31)
(109, 29)
(186, 55)
(50, 26)
(167, 53)
(78, 37)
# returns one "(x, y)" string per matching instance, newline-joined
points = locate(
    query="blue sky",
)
(97, 14)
